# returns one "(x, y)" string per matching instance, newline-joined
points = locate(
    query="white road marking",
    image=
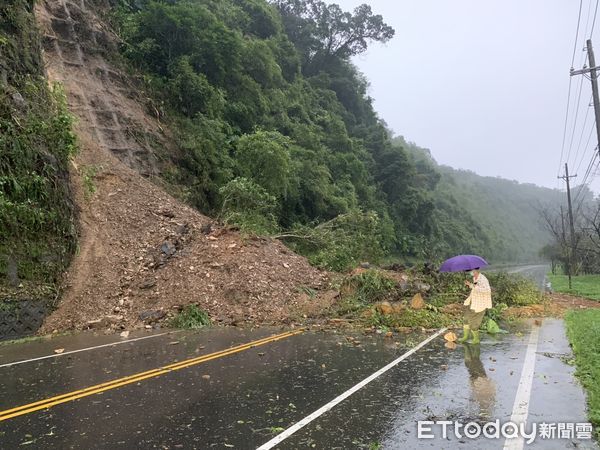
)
(521, 406)
(85, 349)
(287, 433)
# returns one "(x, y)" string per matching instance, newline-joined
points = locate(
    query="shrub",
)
(191, 317)
(342, 242)
(513, 290)
(372, 286)
(249, 206)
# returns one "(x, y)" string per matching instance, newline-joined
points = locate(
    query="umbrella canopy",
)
(463, 262)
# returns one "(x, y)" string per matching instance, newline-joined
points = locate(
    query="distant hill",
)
(501, 217)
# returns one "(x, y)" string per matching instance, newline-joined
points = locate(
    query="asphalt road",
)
(537, 273)
(246, 396)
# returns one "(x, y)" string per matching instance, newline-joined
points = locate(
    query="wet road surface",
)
(537, 273)
(243, 400)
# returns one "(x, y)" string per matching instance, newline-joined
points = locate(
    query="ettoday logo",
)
(427, 429)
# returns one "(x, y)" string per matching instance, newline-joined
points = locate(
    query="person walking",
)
(477, 302)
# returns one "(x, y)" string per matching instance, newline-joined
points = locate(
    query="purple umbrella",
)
(461, 263)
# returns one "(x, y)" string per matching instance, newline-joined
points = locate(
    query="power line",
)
(576, 33)
(594, 21)
(575, 120)
(586, 146)
(562, 149)
(584, 182)
(587, 114)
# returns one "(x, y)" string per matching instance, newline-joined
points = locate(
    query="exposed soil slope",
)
(143, 253)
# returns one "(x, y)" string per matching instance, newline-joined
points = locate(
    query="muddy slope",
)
(142, 253)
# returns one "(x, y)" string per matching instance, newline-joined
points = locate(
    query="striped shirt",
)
(480, 297)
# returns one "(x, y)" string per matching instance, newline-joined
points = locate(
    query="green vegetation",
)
(412, 318)
(583, 329)
(370, 286)
(498, 218)
(38, 234)
(89, 187)
(278, 135)
(513, 290)
(362, 294)
(587, 286)
(191, 317)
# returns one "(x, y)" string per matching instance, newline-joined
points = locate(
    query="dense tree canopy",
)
(268, 105)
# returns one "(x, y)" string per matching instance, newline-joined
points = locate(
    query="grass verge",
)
(583, 330)
(587, 286)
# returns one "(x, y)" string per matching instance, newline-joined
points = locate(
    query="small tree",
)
(249, 206)
(264, 158)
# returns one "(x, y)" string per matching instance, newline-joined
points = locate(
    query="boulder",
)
(385, 308)
(417, 302)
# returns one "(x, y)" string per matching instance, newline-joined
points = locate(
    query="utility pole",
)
(571, 223)
(592, 70)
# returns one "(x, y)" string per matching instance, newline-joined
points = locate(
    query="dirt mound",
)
(142, 253)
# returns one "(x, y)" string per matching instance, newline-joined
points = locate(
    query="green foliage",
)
(371, 286)
(342, 242)
(421, 318)
(267, 92)
(264, 158)
(191, 317)
(513, 289)
(249, 206)
(495, 313)
(37, 235)
(191, 92)
(89, 187)
(587, 286)
(583, 329)
(485, 215)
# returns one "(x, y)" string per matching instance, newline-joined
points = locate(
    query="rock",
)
(59, 350)
(206, 377)
(365, 265)
(167, 213)
(112, 319)
(286, 265)
(450, 336)
(168, 248)
(206, 228)
(124, 334)
(385, 308)
(148, 283)
(18, 100)
(389, 334)
(417, 302)
(151, 316)
(97, 323)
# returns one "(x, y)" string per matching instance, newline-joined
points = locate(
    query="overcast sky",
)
(483, 84)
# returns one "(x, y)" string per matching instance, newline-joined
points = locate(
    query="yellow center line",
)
(102, 387)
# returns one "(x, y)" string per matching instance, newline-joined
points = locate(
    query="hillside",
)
(209, 134)
(37, 211)
(501, 217)
(140, 251)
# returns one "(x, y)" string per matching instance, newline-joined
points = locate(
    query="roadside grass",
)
(587, 286)
(583, 330)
